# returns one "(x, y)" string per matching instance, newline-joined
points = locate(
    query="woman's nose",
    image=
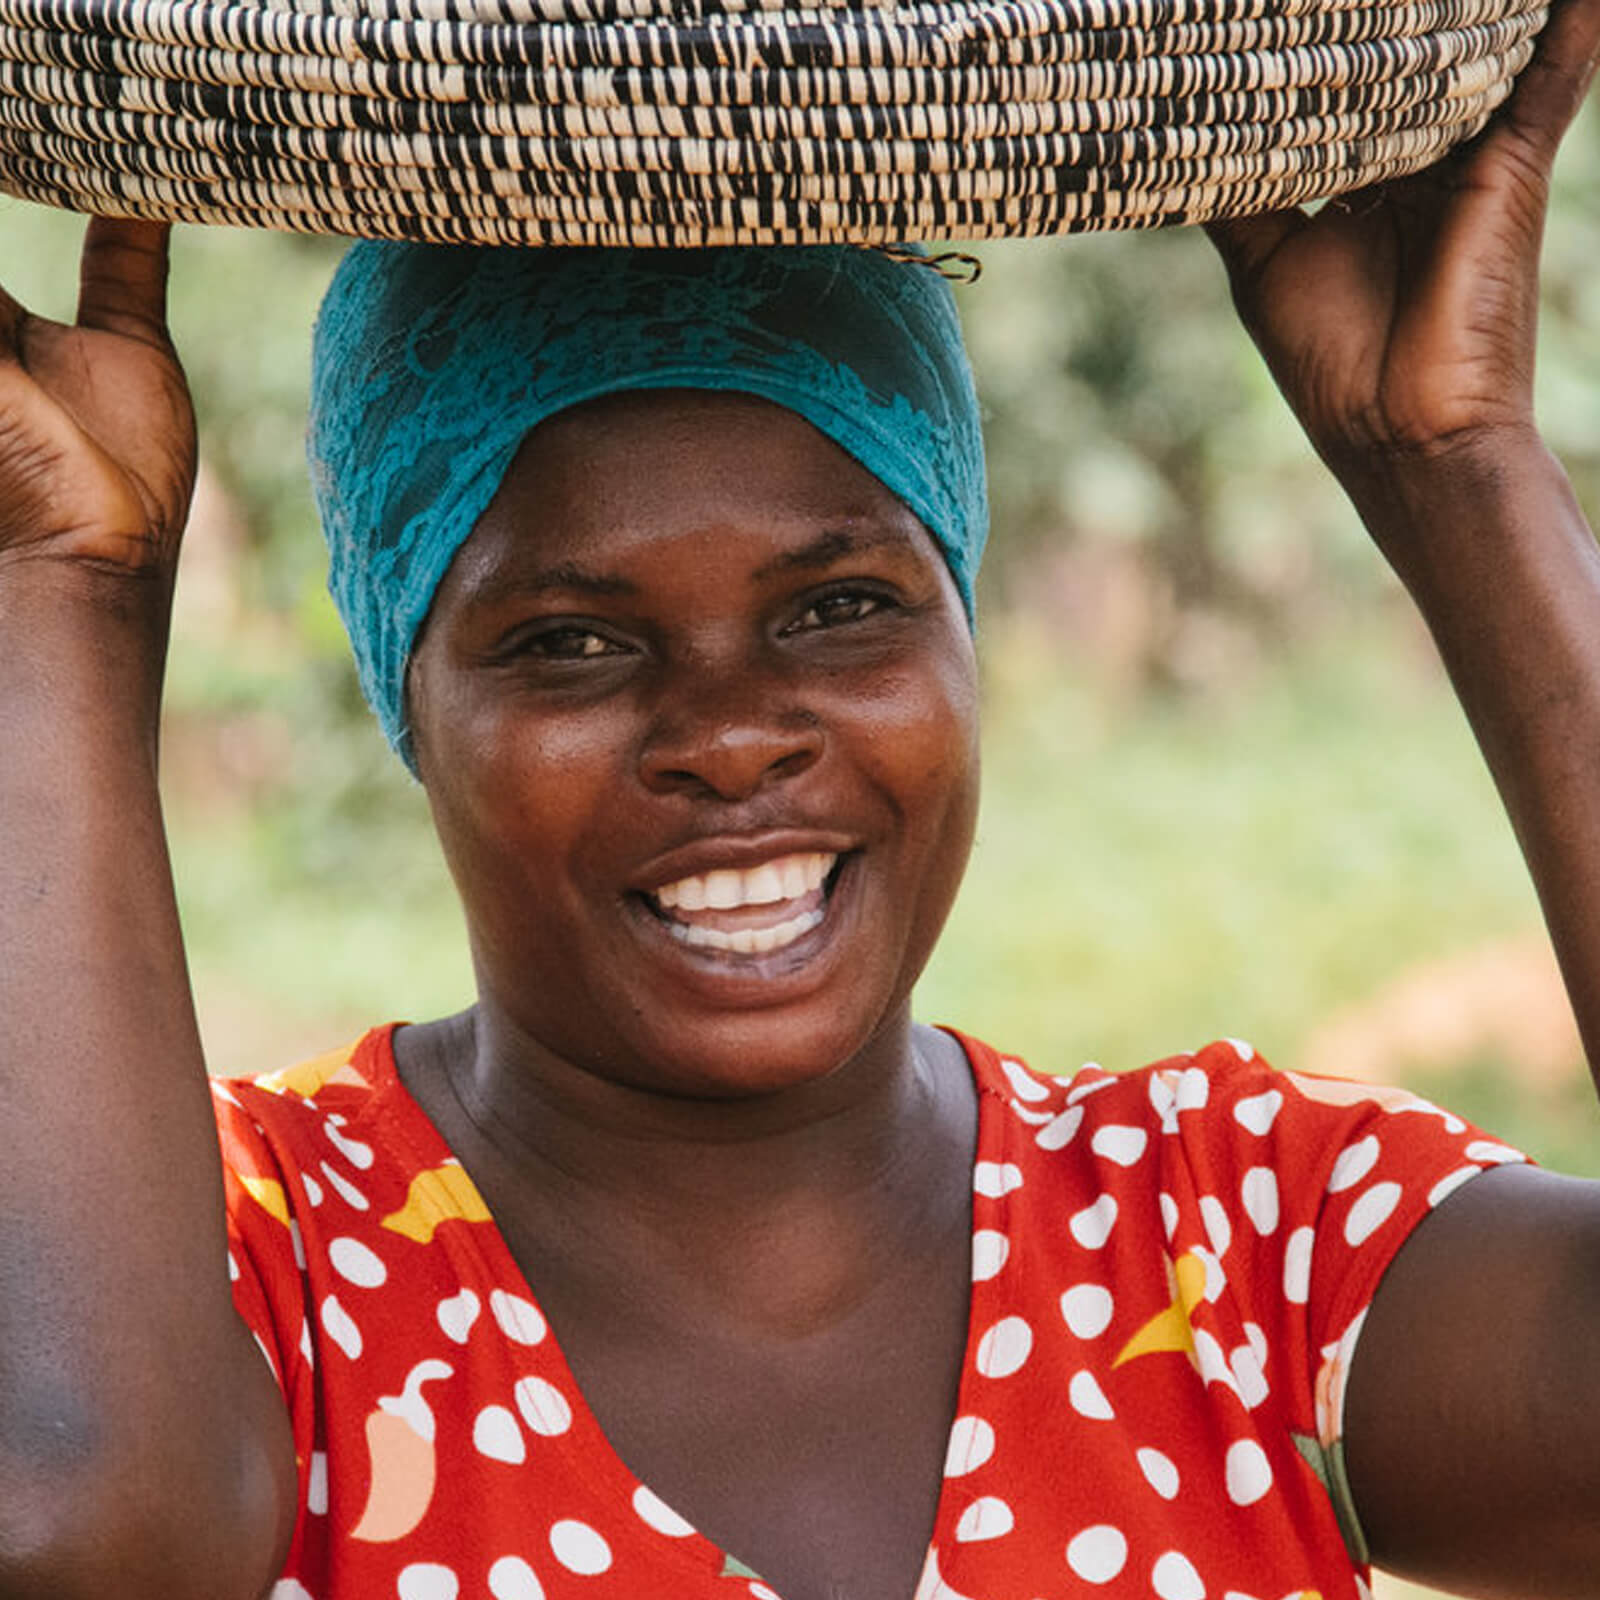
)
(728, 733)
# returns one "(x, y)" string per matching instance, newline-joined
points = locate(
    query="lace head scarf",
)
(432, 363)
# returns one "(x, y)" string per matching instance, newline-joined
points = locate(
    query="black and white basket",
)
(695, 122)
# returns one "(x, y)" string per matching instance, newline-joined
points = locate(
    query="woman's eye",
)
(569, 644)
(846, 606)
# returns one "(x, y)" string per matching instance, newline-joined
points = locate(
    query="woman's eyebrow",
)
(828, 548)
(564, 575)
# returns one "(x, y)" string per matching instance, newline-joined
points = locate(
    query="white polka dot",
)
(579, 1548)
(1258, 1342)
(288, 1589)
(1023, 1083)
(357, 1154)
(1487, 1150)
(427, 1580)
(1242, 1048)
(1219, 1230)
(987, 1518)
(1092, 1226)
(1088, 1398)
(1257, 1113)
(337, 1324)
(1163, 1098)
(1089, 1079)
(1216, 1278)
(317, 1484)
(1060, 1131)
(1169, 1215)
(1194, 1089)
(1371, 1211)
(1249, 1381)
(1297, 1266)
(233, 1269)
(1088, 1309)
(457, 1315)
(355, 1263)
(1354, 1163)
(1174, 1578)
(989, 1251)
(1098, 1554)
(511, 1578)
(343, 1187)
(1259, 1195)
(312, 1188)
(297, 1245)
(1248, 1472)
(995, 1179)
(1447, 1186)
(1118, 1143)
(1034, 1116)
(1209, 1357)
(519, 1319)
(971, 1445)
(1004, 1348)
(759, 1591)
(1159, 1472)
(543, 1406)
(495, 1434)
(652, 1510)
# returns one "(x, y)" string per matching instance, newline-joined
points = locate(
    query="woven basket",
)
(694, 122)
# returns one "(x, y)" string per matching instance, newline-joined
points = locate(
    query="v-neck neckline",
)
(605, 1471)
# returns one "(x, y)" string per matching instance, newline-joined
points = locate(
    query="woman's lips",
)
(747, 911)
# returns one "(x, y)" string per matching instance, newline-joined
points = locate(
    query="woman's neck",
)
(791, 1203)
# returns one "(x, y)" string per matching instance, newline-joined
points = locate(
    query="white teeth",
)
(764, 885)
(727, 889)
(724, 890)
(747, 941)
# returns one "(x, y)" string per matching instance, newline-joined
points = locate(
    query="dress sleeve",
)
(266, 1261)
(1297, 1192)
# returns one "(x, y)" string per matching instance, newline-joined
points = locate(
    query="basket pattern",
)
(662, 123)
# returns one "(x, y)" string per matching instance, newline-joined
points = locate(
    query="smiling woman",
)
(691, 643)
(685, 1263)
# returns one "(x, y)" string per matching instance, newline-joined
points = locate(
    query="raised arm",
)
(144, 1448)
(1400, 326)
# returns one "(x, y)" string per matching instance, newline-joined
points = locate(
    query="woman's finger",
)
(1246, 244)
(11, 314)
(122, 286)
(1553, 86)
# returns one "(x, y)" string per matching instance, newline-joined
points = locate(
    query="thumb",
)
(122, 286)
(1553, 85)
(1247, 244)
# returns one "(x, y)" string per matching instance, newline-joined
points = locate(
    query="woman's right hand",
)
(97, 435)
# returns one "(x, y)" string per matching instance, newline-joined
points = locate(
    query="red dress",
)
(1170, 1268)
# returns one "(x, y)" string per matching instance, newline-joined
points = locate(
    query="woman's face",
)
(695, 709)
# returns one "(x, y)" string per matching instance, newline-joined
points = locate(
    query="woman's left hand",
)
(1401, 320)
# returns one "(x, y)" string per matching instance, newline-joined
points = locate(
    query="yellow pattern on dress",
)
(441, 1194)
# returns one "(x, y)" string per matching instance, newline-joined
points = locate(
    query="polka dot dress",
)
(1170, 1268)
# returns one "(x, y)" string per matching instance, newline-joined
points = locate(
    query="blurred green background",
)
(1228, 790)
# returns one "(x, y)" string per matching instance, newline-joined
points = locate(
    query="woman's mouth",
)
(750, 911)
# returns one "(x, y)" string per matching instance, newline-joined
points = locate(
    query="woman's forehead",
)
(606, 481)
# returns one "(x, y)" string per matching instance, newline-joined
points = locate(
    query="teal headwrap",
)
(432, 363)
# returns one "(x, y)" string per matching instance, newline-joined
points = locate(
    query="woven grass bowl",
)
(698, 122)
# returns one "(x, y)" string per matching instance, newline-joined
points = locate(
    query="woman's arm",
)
(1401, 326)
(144, 1448)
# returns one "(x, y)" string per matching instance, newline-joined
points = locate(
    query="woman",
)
(696, 646)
